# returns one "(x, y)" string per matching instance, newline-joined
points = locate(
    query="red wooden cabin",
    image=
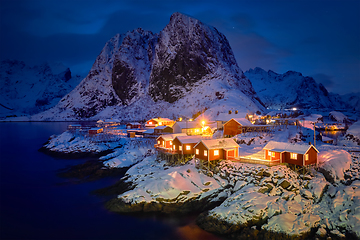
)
(185, 144)
(166, 141)
(216, 149)
(234, 126)
(291, 153)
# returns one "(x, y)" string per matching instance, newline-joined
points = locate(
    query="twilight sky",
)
(319, 38)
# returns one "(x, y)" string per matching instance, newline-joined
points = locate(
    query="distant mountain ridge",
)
(31, 89)
(292, 89)
(186, 68)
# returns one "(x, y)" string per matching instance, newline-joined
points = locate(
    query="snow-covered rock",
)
(333, 164)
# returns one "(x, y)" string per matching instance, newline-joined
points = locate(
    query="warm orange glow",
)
(203, 123)
(150, 123)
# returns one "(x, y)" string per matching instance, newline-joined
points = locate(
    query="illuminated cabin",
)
(216, 149)
(291, 153)
(133, 125)
(237, 126)
(95, 130)
(163, 130)
(166, 141)
(190, 128)
(185, 144)
(154, 122)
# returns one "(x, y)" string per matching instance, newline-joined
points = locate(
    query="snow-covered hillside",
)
(186, 68)
(32, 89)
(353, 99)
(291, 89)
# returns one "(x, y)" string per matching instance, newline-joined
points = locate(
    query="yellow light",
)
(203, 123)
(190, 120)
(160, 123)
(180, 119)
(150, 123)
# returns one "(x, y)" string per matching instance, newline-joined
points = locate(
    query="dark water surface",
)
(37, 204)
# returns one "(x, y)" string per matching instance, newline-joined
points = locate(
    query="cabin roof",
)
(223, 143)
(168, 137)
(134, 123)
(186, 125)
(162, 127)
(241, 121)
(288, 147)
(161, 119)
(189, 139)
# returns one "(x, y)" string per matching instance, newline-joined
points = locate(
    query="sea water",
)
(37, 204)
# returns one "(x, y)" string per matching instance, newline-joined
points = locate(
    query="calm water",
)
(36, 204)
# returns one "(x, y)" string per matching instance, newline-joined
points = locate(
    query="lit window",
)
(160, 123)
(269, 153)
(180, 148)
(187, 147)
(174, 147)
(205, 153)
(293, 155)
(272, 154)
(216, 152)
(306, 157)
(150, 123)
(197, 151)
(170, 143)
(158, 142)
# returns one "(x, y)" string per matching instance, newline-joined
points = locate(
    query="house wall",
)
(313, 155)
(298, 161)
(176, 143)
(232, 128)
(176, 128)
(221, 155)
(267, 157)
(168, 130)
(201, 148)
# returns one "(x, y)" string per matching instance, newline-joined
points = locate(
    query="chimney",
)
(309, 143)
(236, 111)
(230, 111)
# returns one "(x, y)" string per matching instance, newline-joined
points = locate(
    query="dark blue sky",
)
(319, 38)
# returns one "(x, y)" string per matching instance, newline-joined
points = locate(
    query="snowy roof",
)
(161, 119)
(224, 143)
(189, 139)
(243, 121)
(134, 123)
(162, 127)
(168, 137)
(186, 124)
(288, 147)
(95, 128)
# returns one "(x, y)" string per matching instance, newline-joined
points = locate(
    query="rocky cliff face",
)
(291, 89)
(141, 74)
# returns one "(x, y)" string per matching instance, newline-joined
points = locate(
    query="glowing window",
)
(293, 155)
(158, 142)
(174, 147)
(160, 123)
(205, 153)
(216, 152)
(188, 147)
(150, 123)
(269, 153)
(306, 157)
(197, 151)
(180, 148)
(170, 143)
(272, 154)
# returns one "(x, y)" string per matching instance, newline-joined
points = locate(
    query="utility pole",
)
(314, 135)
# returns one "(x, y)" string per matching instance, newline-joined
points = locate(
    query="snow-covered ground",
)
(275, 199)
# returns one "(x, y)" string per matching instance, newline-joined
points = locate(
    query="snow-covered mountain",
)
(32, 89)
(291, 89)
(186, 68)
(352, 99)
